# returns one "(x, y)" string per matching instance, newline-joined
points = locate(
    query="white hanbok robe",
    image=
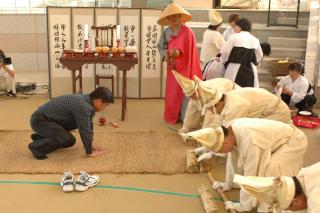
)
(213, 69)
(212, 42)
(7, 82)
(246, 40)
(264, 148)
(310, 179)
(299, 87)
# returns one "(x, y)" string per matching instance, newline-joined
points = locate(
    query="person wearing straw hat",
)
(300, 192)
(212, 40)
(193, 119)
(181, 56)
(243, 102)
(240, 54)
(255, 147)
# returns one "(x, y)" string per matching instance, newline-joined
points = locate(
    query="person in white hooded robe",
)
(243, 102)
(239, 103)
(298, 193)
(194, 119)
(257, 147)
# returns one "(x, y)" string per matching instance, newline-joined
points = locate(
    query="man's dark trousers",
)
(49, 135)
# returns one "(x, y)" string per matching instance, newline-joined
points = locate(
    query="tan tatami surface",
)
(23, 193)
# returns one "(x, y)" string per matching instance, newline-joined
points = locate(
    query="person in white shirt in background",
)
(298, 193)
(240, 54)
(7, 76)
(295, 89)
(212, 39)
(230, 30)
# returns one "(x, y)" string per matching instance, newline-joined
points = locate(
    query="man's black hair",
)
(213, 27)
(102, 93)
(225, 131)
(298, 187)
(222, 97)
(297, 67)
(244, 24)
(2, 55)
(266, 48)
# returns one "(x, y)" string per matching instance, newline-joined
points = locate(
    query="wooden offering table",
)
(123, 64)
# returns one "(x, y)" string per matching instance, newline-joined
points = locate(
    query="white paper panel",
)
(151, 33)
(59, 32)
(150, 57)
(130, 36)
(82, 16)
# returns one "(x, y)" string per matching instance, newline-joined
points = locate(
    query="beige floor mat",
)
(140, 152)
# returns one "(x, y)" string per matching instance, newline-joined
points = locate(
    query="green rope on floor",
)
(112, 187)
(105, 187)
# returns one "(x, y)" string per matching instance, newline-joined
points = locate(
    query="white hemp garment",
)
(253, 103)
(264, 148)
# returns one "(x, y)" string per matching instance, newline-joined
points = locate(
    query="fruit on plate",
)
(120, 49)
(98, 49)
(105, 49)
(115, 50)
(283, 61)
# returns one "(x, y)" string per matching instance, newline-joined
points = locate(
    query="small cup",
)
(102, 121)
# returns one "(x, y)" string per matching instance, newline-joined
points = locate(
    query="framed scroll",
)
(80, 18)
(150, 60)
(129, 20)
(59, 38)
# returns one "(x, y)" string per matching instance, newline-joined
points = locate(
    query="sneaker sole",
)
(67, 189)
(80, 188)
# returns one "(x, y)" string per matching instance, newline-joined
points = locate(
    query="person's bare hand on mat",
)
(95, 153)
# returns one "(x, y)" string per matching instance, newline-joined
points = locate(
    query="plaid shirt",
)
(73, 112)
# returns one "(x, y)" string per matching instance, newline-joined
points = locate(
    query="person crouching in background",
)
(295, 89)
(7, 75)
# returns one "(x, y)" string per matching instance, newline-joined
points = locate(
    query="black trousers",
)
(302, 105)
(49, 135)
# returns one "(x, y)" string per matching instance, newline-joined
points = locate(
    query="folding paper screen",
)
(59, 38)
(138, 28)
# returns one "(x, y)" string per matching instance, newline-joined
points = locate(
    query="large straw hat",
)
(187, 85)
(215, 17)
(211, 137)
(277, 192)
(173, 9)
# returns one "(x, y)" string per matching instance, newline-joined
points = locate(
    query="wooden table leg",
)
(124, 95)
(80, 80)
(74, 81)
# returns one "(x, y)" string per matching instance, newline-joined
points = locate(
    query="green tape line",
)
(106, 187)
(113, 187)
